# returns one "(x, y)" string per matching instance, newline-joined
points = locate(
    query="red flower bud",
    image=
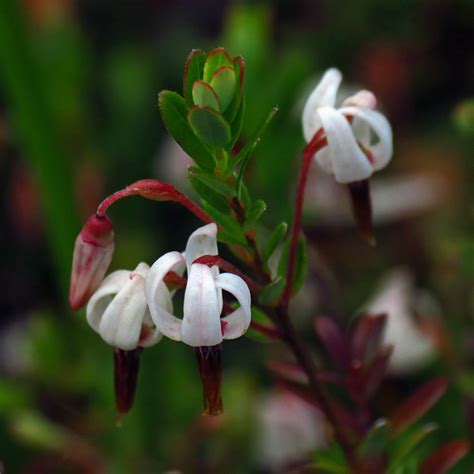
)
(93, 252)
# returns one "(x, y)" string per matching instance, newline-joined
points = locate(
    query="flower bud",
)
(93, 252)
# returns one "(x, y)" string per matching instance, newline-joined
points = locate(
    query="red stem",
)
(157, 191)
(317, 142)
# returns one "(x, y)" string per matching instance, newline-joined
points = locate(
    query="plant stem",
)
(318, 142)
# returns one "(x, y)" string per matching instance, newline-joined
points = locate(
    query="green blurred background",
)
(78, 120)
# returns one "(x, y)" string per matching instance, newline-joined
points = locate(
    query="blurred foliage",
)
(78, 100)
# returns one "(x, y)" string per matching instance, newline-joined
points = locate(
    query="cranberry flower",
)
(350, 155)
(202, 326)
(118, 310)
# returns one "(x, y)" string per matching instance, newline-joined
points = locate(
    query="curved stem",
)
(318, 142)
(156, 191)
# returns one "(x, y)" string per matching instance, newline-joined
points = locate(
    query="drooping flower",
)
(351, 154)
(202, 326)
(93, 251)
(118, 311)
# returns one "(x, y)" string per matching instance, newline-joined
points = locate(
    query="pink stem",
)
(317, 142)
(157, 191)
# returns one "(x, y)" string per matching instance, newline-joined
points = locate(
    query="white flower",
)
(397, 298)
(118, 310)
(201, 324)
(348, 130)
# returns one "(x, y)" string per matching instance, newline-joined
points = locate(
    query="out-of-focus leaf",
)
(193, 71)
(12, 398)
(331, 460)
(409, 443)
(272, 292)
(274, 240)
(443, 458)
(174, 114)
(254, 213)
(210, 126)
(376, 439)
(260, 318)
(464, 116)
(334, 341)
(418, 404)
(301, 263)
(367, 336)
(377, 370)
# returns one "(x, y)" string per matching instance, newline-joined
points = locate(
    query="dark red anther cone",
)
(210, 369)
(362, 208)
(126, 366)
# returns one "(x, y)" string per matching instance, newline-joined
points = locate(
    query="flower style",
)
(350, 154)
(118, 310)
(201, 325)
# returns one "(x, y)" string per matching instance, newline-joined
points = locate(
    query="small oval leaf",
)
(193, 70)
(204, 94)
(217, 58)
(223, 82)
(209, 126)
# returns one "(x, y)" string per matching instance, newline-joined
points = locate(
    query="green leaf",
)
(207, 193)
(376, 439)
(210, 126)
(259, 316)
(217, 58)
(205, 95)
(223, 82)
(301, 263)
(234, 107)
(274, 240)
(230, 231)
(330, 461)
(254, 213)
(174, 115)
(245, 196)
(193, 71)
(409, 442)
(270, 295)
(213, 182)
(236, 127)
(244, 155)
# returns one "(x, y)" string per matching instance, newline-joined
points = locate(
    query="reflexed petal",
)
(363, 98)
(104, 295)
(121, 323)
(201, 242)
(323, 95)
(158, 297)
(201, 320)
(239, 320)
(383, 149)
(349, 163)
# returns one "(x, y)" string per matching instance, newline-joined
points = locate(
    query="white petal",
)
(158, 297)
(363, 98)
(383, 149)
(99, 301)
(324, 94)
(121, 323)
(201, 317)
(349, 163)
(201, 242)
(239, 320)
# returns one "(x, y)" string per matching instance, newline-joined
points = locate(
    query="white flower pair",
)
(131, 309)
(350, 154)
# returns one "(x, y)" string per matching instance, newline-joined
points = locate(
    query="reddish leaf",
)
(293, 372)
(367, 336)
(418, 404)
(377, 370)
(334, 340)
(440, 460)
